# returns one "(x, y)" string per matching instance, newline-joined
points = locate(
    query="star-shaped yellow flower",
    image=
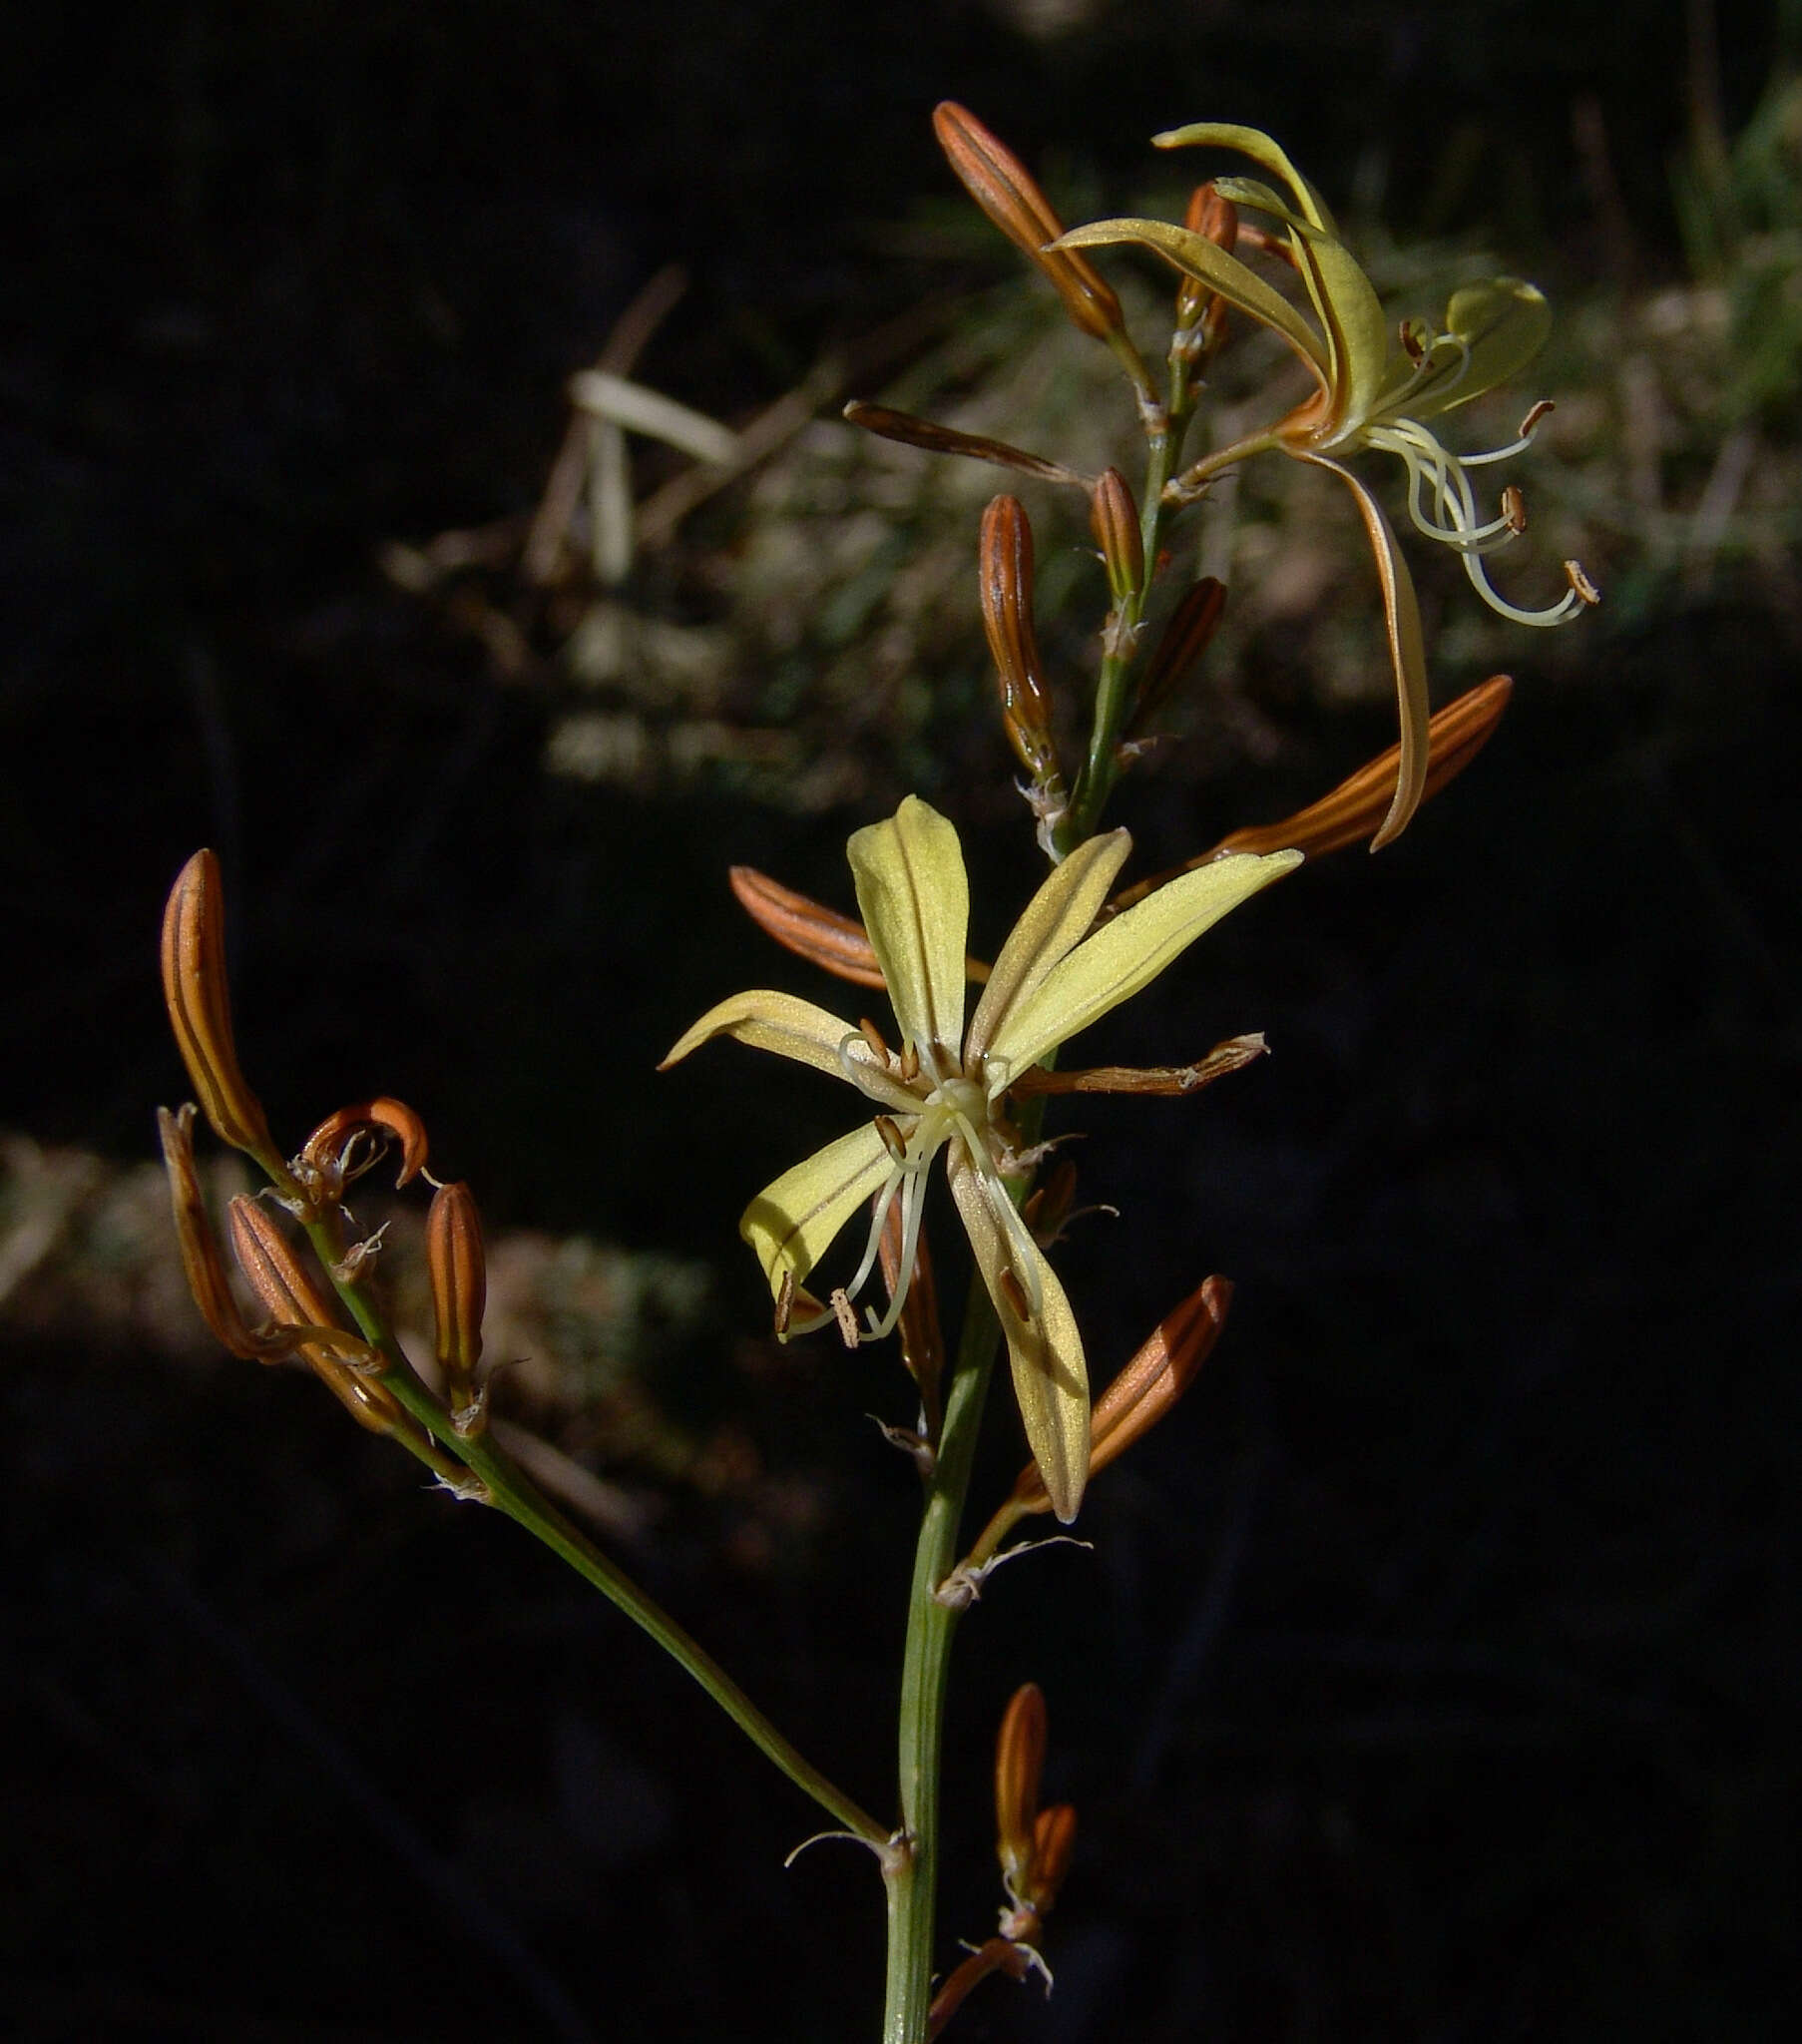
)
(945, 1089)
(1374, 385)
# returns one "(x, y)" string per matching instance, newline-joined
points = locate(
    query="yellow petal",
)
(1356, 327)
(1056, 921)
(915, 903)
(1258, 146)
(1407, 651)
(1196, 256)
(792, 1223)
(796, 1029)
(1130, 952)
(1051, 1379)
(1504, 325)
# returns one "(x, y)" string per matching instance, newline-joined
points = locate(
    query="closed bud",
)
(201, 1263)
(1113, 519)
(1186, 636)
(1003, 187)
(200, 1011)
(295, 1300)
(1005, 571)
(1219, 219)
(1148, 1389)
(1054, 1845)
(459, 1275)
(1019, 1760)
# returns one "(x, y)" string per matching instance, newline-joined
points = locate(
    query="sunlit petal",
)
(1196, 256)
(1057, 919)
(796, 1029)
(792, 1223)
(1258, 146)
(915, 903)
(1500, 325)
(1051, 1379)
(1129, 953)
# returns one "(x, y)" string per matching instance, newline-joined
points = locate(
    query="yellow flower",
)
(945, 1089)
(1374, 388)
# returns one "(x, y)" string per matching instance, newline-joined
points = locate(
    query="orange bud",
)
(334, 1151)
(1192, 627)
(1019, 1759)
(1005, 587)
(1003, 187)
(1148, 1389)
(1219, 219)
(836, 943)
(1352, 811)
(199, 1000)
(1054, 1844)
(1113, 519)
(453, 1249)
(201, 1258)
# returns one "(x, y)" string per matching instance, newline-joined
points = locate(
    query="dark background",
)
(1434, 1674)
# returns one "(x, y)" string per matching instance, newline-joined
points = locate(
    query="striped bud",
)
(199, 1000)
(459, 1275)
(1219, 219)
(1113, 519)
(1185, 637)
(1004, 586)
(1148, 1389)
(1003, 187)
(1019, 1759)
(201, 1259)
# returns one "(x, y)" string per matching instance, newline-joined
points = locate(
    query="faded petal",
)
(915, 903)
(1051, 1380)
(1129, 953)
(792, 1223)
(794, 1028)
(1056, 921)
(1407, 651)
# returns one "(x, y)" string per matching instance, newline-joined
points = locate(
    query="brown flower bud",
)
(1019, 1759)
(1003, 187)
(1148, 1387)
(836, 943)
(1004, 572)
(459, 1274)
(1353, 810)
(200, 1011)
(1219, 219)
(1113, 519)
(1054, 1844)
(936, 439)
(201, 1258)
(1185, 637)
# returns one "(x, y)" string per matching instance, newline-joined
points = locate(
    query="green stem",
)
(510, 1490)
(926, 1665)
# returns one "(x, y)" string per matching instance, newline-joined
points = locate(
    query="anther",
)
(1015, 1294)
(1533, 418)
(845, 1314)
(1412, 339)
(910, 1064)
(784, 1305)
(874, 1038)
(1514, 510)
(892, 1139)
(1582, 587)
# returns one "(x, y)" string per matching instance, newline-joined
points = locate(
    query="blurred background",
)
(1434, 1674)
